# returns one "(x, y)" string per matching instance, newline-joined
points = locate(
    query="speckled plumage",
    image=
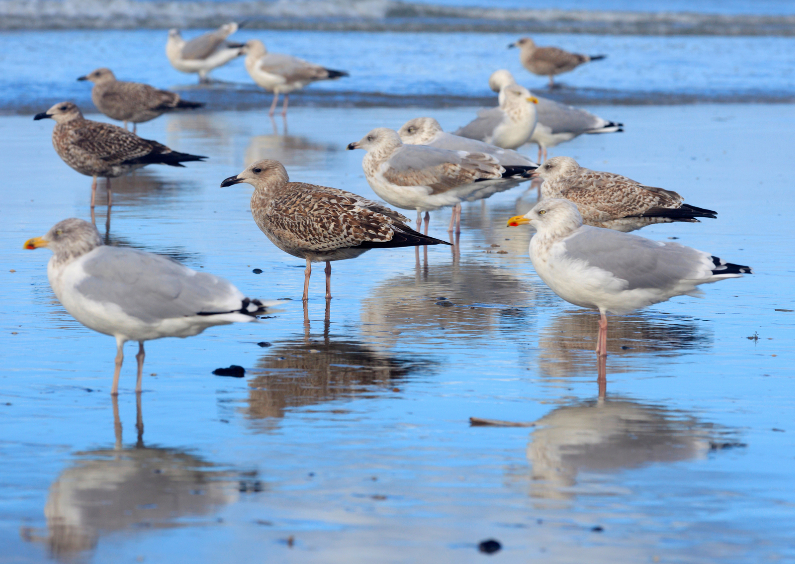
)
(549, 61)
(610, 200)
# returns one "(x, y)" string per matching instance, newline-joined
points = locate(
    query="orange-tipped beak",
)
(533, 99)
(517, 220)
(35, 243)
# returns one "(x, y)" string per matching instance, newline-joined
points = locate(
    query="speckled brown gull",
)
(132, 101)
(611, 271)
(101, 149)
(549, 61)
(508, 126)
(557, 123)
(427, 178)
(133, 295)
(610, 200)
(203, 53)
(281, 74)
(321, 224)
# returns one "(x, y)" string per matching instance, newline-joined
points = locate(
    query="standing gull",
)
(426, 178)
(557, 123)
(133, 295)
(132, 101)
(281, 74)
(613, 201)
(321, 224)
(204, 53)
(508, 126)
(549, 61)
(611, 271)
(101, 149)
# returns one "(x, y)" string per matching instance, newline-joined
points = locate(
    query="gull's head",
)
(556, 214)
(229, 28)
(99, 76)
(261, 174)
(61, 112)
(378, 138)
(68, 239)
(514, 95)
(523, 43)
(557, 167)
(174, 34)
(500, 78)
(419, 131)
(254, 48)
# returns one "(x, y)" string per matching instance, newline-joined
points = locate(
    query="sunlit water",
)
(349, 440)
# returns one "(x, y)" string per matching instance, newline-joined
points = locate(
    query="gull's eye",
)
(257, 170)
(59, 232)
(62, 108)
(370, 137)
(542, 212)
(412, 129)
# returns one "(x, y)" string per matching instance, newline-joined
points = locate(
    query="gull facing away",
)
(133, 295)
(203, 53)
(427, 178)
(612, 271)
(557, 123)
(321, 224)
(609, 200)
(281, 74)
(549, 61)
(509, 125)
(97, 149)
(132, 101)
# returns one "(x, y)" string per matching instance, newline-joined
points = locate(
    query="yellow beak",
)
(517, 220)
(533, 99)
(35, 243)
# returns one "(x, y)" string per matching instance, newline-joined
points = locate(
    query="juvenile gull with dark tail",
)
(549, 61)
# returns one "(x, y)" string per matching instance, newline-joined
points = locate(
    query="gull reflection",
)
(131, 487)
(290, 150)
(610, 435)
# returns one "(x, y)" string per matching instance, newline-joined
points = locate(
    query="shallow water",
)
(349, 439)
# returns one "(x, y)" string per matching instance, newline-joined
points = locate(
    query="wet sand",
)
(351, 436)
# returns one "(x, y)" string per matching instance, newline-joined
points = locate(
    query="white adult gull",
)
(509, 125)
(281, 74)
(203, 53)
(612, 271)
(427, 178)
(133, 295)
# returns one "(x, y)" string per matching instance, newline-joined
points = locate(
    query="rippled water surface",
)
(349, 439)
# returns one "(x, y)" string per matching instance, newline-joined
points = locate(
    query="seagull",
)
(132, 101)
(557, 123)
(508, 126)
(317, 223)
(204, 53)
(133, 295)
(426, 178)
(549, 61)
(612, 271)
(97, 149)
(279, 73)
(609, 200)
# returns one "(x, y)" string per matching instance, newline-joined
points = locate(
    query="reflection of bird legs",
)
(455, 248)
(306, 321)
(117, 427)
(307, 274)
(327, 270)
(140, 358)
(427, 222)
(601, 367)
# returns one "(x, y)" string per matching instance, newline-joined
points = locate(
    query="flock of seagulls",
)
(581, 249)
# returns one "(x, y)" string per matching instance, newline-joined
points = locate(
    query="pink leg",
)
(601, 347)
(93, 191)
(114, 391)
(458, 219)
(135, 128)
(328, 280)
(110, 193)
(545, 153)
(540, 152)
(419, 220)
(451, 227)
(284, 106)
(273, 104)
(307, 274)
(140, 358)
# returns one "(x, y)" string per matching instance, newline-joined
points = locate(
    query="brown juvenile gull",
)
(549, 61)
(132, 101)
(317, 223)
(97, 149)
(133, 295)
(611, 271)
(610, 200)
(281, 74)
(427, 178)
(557, 123)
(508, 126)
(203, 53)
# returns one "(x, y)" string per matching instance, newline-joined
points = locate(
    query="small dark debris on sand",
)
(445, 303)
(263, 344)
(598, 529)
(480, 422)
(713, 445)
(234, 371)
(489, 546)
(257, 271)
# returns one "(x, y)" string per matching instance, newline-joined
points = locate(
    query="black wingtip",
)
(518, 171)
(597, 57)
(185, 104)
(336, 73)
(723, 267)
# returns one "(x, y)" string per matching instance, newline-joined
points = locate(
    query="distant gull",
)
(281, 74)
(132, 101)
(100, 149)
(605, 199)
(204, 53)
(557, 123)
(426, 178)
(549, 61)
(317, 223)
(133, 295)
(612, 271)
(508, 126)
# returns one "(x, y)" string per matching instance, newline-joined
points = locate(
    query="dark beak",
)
(352, 146)
(82, 78)
(232, 180)
(42, 115)
(511, 46)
